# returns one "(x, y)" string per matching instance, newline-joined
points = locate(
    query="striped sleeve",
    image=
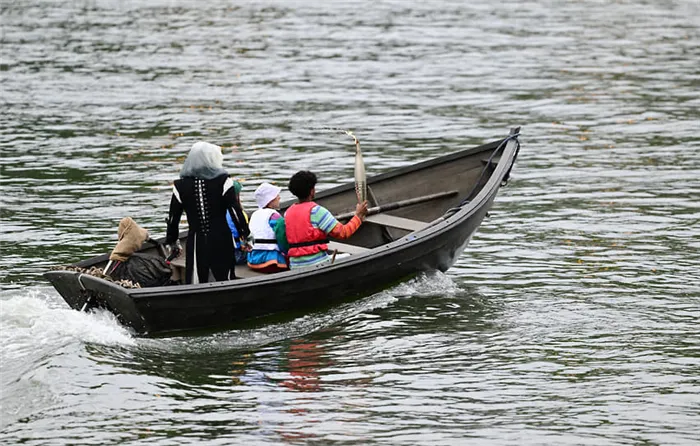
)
(322, 219)
(344, 231)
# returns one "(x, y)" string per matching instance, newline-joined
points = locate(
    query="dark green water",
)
(572, 318)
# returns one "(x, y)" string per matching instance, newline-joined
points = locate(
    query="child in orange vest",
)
(308, 224)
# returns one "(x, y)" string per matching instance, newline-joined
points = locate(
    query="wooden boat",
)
(421, 218)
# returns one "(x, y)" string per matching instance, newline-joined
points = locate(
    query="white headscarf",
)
(204, 161)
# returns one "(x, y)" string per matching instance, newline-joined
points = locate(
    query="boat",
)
(421, 218)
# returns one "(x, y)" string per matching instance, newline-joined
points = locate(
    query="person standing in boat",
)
(308, 224)
(206, 193)
(267, 256)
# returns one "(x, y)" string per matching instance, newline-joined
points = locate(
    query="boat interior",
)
(377, 229)
(401, 201)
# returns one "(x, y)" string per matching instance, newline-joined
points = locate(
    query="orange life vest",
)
(303, 238)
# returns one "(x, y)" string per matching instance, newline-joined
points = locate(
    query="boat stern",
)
(83, 292)
(68, 286)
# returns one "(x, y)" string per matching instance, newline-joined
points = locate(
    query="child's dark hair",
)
(301, 184)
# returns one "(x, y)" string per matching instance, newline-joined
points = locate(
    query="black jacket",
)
(209, 241)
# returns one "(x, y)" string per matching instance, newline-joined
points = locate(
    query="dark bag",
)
(144, 269)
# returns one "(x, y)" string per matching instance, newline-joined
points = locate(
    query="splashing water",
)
(35, 322)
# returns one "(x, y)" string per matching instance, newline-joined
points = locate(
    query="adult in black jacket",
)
(206, 193)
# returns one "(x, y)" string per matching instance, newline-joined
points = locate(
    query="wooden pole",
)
(399, 204)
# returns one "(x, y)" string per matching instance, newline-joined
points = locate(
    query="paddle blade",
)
(360, 176)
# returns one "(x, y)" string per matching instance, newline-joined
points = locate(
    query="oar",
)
(400, 204)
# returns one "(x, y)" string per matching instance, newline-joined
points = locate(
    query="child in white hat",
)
(267, 256)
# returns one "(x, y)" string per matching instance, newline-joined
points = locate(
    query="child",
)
(308, 225)
(238, 241)
(267, 256)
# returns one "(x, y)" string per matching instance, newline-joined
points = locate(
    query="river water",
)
(572, 318)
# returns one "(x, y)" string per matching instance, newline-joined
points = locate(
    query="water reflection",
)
(303, 364)
(285, 389)
(226, 383)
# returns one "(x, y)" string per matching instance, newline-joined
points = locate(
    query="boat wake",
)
(425, 285)
(269, 333)
(36, 322)
(435, 283)
(36, 318)
(38, 329)
(41, 333)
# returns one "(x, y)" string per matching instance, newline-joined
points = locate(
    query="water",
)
(572, 318)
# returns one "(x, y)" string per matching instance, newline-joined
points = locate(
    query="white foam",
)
(435, 283)
(35, 319)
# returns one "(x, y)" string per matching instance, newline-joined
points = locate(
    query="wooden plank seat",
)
(406, 224)
(180, 261)
(345, 248)
(242, 271)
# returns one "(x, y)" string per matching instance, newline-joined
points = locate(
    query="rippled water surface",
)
(572, 318)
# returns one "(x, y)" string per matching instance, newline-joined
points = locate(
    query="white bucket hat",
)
(265, 193)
